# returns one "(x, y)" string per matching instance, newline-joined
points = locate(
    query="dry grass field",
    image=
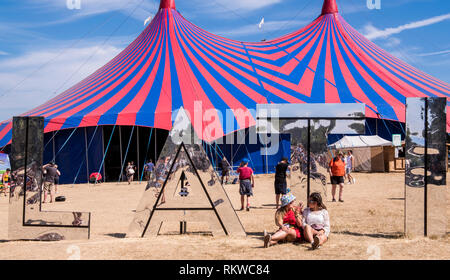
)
(368, 225)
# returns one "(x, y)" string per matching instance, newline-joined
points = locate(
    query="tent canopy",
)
(360, 142)
(174, 64)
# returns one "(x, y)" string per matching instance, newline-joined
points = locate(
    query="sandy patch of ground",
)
(368, 224)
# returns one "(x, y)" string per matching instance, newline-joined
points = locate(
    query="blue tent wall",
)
(48, 147)
(95, 150)
(255, 153)
(70, 152)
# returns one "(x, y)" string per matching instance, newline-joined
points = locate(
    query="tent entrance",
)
(130, 144)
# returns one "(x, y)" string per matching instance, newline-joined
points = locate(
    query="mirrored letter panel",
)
(26, 220)
(309, 126)
(425, 175)
(184, 188)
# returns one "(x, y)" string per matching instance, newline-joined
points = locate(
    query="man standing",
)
(246, 183)
(349, 167)
(337, 174)
(225, 166)
(280, 179)
(149, 169)
(50, 173)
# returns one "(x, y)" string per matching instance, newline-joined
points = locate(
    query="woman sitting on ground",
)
(316, 221)
(289, 218)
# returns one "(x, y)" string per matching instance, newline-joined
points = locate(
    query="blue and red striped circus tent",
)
(174, 64)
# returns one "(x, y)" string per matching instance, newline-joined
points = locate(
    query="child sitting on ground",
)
(289, 220)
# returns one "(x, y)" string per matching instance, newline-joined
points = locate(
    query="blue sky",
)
(45, 47)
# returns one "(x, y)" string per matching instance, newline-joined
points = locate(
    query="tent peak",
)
(167, 4)
(329, 7)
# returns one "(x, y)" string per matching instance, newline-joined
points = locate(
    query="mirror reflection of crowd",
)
(299, 162)
(38, 178)
(167, 167)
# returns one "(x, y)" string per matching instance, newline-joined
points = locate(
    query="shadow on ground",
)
(117, 235)
(394, 235)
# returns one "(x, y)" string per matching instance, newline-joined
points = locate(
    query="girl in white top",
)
(316, 221)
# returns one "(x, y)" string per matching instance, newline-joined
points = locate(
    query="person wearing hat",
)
(280, 179)
(289, 220)
(246, 183)
(337, 174)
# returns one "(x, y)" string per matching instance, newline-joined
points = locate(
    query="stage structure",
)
(425, 177)
(26, 220)
(309, 126)
(184, 191)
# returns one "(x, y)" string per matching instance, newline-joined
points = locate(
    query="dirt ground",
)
(368, 225)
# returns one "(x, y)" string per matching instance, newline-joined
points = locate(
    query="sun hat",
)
(286, 199)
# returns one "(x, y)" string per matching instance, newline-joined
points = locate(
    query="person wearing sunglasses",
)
(316, 221)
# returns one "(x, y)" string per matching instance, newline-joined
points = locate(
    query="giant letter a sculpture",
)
(184, 189)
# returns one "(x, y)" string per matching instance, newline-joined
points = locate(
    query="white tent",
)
(360, 142)
(371, 153)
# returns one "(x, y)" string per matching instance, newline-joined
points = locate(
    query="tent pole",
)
(126, 154)
(232, 155)
(309, 159)
(156, 146)
(215, 150)
(87, 156)
(376, 126)
(120, 144)
(267, 158)
(103, 146)
(53, 144)
(138, 170)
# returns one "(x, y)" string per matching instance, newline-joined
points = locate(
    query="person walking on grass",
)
(148, 169)
(130, 170)
(246, 183)
(349, 163)
(316, 221)
(280, 180)
(337, 174)
(289, 220)
(225, 166)
(50, 173)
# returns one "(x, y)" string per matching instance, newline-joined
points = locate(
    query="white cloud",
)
(46, 83)
(392, 42)
(446, 52)
(3, 53)
(138, 9)
(371, 32)
(245, 5)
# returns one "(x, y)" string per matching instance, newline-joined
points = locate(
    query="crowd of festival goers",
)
(296, 222)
